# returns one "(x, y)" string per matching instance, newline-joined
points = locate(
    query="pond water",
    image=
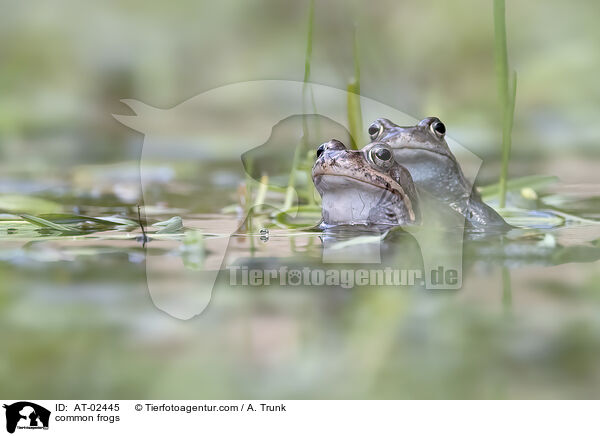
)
(79, 321)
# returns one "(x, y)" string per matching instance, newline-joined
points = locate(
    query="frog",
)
(364, 187)
(422, 149)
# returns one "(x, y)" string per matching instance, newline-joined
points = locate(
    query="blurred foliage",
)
(358, 343)
(66, 66)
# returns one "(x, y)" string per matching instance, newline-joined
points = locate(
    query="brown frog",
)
(364, 187)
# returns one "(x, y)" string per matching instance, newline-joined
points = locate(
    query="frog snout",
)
(334, 144)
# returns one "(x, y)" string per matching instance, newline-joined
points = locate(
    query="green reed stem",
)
(262, 193)
(289, 193)
(507, 125)
(506, 92)
(248, 194)
(354, 110)
(309, 41)
(500, 50)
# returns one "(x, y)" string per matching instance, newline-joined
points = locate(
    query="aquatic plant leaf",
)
(41, 222)
(532, 218)
(172, 225)
(111, 221)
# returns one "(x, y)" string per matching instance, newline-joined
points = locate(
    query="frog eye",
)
(438, 128)
(381, 156)
(374, 130)
(320, 150)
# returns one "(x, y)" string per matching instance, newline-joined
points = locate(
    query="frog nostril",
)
(320, 150)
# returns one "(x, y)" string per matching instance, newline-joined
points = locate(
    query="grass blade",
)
(67, 218)
(353, 102)
(289, 195)
(507, 95)
(41, 222)
(507, 125)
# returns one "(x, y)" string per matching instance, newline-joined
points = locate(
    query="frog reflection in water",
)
(423, 150)
(363, 187)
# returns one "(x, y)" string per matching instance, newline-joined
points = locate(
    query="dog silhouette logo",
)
(26, 415)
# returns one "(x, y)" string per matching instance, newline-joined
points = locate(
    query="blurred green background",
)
(76, 319)
(66, 65)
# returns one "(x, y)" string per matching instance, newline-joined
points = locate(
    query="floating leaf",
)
(63, 218)
(172, 225)
(41, 222)
(532, 218)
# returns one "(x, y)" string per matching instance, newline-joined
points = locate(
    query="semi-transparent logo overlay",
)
(260, 124)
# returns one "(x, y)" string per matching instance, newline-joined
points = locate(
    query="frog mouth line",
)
(406, 147)
(319, 174)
